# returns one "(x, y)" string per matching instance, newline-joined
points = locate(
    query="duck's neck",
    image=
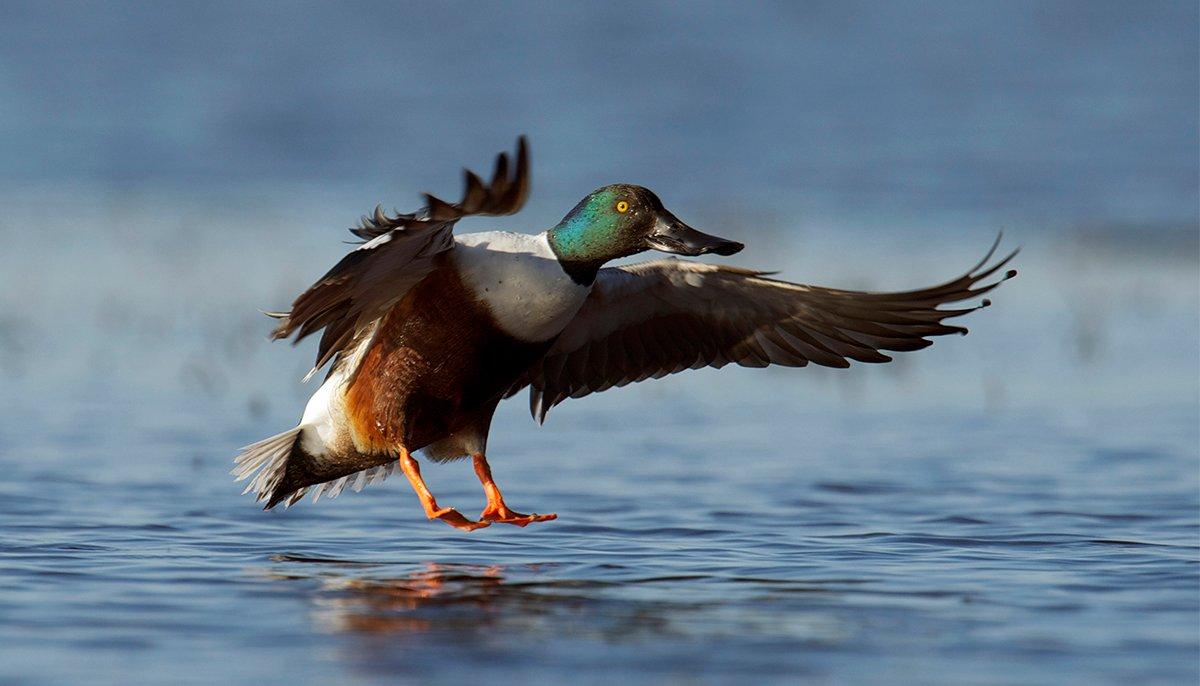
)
(574, 254)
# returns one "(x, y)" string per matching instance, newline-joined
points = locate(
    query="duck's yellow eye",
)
(622, 207)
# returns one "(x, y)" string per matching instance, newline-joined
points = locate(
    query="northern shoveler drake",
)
(426, 332)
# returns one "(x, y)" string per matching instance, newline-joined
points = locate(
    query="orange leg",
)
(496, 510)
(448, 515)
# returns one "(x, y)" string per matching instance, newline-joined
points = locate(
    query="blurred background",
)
(166, 169)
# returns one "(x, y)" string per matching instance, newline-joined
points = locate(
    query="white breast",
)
(519, 279)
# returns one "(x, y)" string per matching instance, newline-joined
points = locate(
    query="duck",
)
(424, 332)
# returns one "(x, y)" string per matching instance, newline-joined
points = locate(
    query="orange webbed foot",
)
(456, 519)
(503, 515)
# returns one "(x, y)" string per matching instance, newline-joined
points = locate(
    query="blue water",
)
(1021, 505)
(742, 543)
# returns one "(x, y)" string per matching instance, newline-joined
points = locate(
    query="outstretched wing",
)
(396, 253)
(651, 319)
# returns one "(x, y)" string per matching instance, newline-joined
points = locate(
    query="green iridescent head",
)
(620, 220)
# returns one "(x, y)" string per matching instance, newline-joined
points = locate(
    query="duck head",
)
(621, 220)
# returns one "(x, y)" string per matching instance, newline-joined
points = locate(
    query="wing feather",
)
(657, 318)
(397, 251)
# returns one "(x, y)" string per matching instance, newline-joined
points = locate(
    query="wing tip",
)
(522, 148)
(537, 406)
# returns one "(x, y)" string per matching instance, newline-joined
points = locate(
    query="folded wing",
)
(397, 252)
(656, 318)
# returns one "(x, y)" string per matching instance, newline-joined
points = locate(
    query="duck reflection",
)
(438, 597)
(406, 605)
(489, 606)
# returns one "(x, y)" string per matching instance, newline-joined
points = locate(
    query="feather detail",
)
(397, 252)
(656, 318)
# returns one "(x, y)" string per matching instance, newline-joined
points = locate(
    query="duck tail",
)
(269, 458)
(282, 471)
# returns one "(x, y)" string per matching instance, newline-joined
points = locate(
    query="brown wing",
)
(657, 318)
(397, 252)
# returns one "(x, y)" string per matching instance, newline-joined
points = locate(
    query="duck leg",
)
(448, 515)
(496, 510)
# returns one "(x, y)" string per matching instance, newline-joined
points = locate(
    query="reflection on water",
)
(483, 602)
(464, 600)
(423, 601)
